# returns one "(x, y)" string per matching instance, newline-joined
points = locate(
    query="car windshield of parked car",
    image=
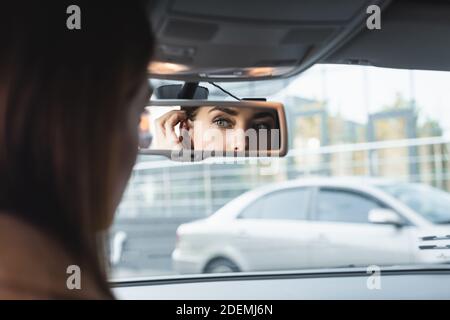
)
(351, 130)
(433, 204)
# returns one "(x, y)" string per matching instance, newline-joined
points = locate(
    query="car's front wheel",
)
(221, 265)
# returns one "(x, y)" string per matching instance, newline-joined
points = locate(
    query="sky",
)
(353, 91)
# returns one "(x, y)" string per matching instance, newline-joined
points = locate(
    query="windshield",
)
(431, 203)
(301, 211)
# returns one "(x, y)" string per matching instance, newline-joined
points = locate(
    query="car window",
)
(372, 126)
(289, 204)
(343, 206)
(431, 203)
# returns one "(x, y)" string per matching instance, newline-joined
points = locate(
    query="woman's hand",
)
(166, 137)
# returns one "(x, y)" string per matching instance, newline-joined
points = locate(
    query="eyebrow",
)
(264, 114)
(229, 111)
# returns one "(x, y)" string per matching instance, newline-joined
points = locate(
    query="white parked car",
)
(319, 223)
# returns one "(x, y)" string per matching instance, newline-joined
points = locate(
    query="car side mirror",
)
(385, 216)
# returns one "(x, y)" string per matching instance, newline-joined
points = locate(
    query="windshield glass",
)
(431, 203)
(300, 211)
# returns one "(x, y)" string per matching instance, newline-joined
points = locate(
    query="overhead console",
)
(238, 40)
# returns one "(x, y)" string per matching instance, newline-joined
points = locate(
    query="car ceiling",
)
(228, 40)
(413, 35)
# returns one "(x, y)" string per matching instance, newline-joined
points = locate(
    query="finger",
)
(170, 124)
(161, 121)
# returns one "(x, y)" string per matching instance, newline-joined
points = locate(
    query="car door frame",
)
(312, 214)
(364, 194)
(307, 218)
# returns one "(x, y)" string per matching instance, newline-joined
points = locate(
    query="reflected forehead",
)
(229, 110)
(234, 111)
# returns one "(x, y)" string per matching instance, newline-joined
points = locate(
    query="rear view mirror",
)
(173, 91)
(190, 130)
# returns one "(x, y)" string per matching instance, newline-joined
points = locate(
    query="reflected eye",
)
(222, 123)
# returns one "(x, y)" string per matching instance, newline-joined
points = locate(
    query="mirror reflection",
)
(228, 128)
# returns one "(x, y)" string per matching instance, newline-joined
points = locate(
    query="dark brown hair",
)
(191, 112)
(63, 97)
